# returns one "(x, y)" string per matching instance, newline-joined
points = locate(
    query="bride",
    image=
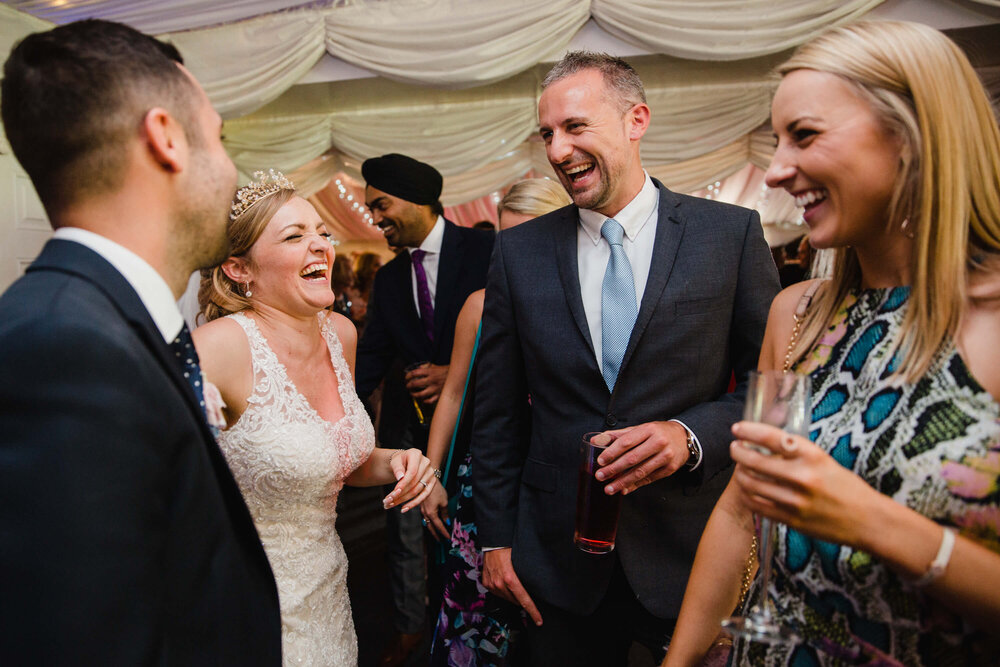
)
(284, 366)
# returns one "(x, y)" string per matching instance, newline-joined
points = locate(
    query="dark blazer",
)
(124, 539)
(701, 318)
(394, 331)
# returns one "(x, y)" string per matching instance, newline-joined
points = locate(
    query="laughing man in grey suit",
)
(654, 367)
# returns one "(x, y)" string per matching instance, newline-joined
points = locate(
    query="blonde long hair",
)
(923, 89)
(218, 294)
(534, 196)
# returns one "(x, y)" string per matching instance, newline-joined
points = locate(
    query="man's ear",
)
(165, 139)
(237, 270)
(638, 121)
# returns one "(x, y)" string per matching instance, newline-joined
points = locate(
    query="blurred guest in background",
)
(467, 632)
(297, 432)
(793, 260)
(891, 509)
(341, 279)
(366, 265)
(411, 321)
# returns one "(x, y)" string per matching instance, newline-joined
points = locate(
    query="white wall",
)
(24, 228)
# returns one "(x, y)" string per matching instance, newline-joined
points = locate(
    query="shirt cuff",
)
(485, 549)
(692, 464)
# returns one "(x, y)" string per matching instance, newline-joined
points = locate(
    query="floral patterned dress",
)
(933, 446)
(473, 629)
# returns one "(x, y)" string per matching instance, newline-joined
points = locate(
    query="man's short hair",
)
(618, 75)
(73, 96)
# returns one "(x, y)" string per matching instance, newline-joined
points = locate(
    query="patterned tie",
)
(187, 356)
(423, 293)
(618, 307)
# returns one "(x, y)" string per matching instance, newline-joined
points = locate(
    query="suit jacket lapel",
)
(669, 230)
(447, 290)
(402, 309)
(70, 257)
(76, 259)
(564, 235)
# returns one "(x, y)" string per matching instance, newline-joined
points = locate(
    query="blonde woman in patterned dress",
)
(889, 552)
(297, 432)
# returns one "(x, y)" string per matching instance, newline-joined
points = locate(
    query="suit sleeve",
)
(757, 284)
(376, 349)
(86, 467)
(501, 426)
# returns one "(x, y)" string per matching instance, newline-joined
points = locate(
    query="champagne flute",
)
(777, 398)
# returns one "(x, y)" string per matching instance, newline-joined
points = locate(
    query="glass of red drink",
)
(596, 512)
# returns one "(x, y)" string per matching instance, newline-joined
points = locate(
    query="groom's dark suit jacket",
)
(124, 539)
(395, 332)
(701, 318)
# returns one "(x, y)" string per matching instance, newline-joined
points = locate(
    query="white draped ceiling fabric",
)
(459, 80)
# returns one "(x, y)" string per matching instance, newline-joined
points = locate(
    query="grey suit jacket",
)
(701, 319)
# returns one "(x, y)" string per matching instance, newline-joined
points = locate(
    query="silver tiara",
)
(262, 186)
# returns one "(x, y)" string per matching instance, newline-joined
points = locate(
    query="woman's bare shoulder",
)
(221, 345)
(781, 321)
(346, 331)
(787, 301)
(217, 333)
(981, 329)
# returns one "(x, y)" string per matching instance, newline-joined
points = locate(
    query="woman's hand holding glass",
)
(800, 485)
(415, 478)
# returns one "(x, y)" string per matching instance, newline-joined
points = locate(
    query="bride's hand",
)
(415, 475)
(435, 511)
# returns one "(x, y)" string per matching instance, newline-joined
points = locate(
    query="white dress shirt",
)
(152, 289)
(432, 259)
(639, 220)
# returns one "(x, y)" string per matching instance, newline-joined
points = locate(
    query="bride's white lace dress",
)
(290, 465)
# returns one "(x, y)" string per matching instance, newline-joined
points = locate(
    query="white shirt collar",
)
(632, 218)
(432, 242)
(152, 289)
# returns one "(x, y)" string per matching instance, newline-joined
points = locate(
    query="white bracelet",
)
(940, 562)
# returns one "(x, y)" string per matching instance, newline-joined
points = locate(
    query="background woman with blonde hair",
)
(891, 520)
(297, 432)
(467, 632)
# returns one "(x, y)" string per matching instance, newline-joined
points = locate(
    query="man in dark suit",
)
(411, 319)
(123, 537)
(628, 311)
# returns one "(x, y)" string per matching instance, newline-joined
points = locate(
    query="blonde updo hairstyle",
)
(219, 295)
(534, 196)
(924, 91)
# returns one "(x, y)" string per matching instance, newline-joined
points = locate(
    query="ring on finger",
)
(424, 483)
(788, 443)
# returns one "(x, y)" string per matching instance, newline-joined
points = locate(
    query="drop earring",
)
(246, 290)
(904, 227)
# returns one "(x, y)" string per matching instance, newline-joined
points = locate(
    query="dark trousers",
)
(406, 553)
(601, 639)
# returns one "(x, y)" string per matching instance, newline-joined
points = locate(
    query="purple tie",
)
(423, 293)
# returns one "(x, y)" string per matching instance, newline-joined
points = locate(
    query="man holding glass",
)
(627, 312)
(411, 322)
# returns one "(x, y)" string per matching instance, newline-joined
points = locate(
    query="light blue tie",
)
(618, 307)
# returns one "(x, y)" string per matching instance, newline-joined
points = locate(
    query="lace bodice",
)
(290, 465)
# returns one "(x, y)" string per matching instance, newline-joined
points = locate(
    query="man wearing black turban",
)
(411, 319)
